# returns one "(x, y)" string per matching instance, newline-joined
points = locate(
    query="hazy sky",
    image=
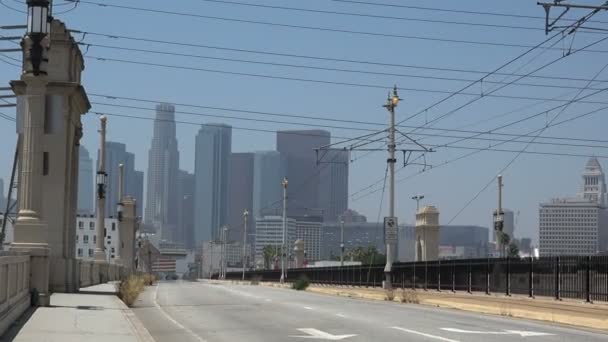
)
(531, 179)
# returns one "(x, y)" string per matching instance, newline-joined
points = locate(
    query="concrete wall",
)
(14, 287)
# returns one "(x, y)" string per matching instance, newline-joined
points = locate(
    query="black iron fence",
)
(578, 277)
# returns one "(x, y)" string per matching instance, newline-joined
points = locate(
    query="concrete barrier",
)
(14, 287)
(93, 273)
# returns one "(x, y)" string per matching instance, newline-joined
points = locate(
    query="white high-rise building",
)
(579, 225)
(269, 232)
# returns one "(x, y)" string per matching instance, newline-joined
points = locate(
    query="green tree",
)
(366, 255)
(513, 250)
(269, 252)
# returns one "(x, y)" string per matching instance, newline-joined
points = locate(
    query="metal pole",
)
(284, 244)
(342, 243)
(391, 105)
(499, 218)
(99, 254)
(121, 180)
(245, 214)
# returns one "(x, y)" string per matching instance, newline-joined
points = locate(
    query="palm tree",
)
(269, 252)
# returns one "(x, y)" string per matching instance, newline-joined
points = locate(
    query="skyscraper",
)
(185, 217)
(303, 173)
(135, 189)
(333, 186)
(579, 225)
(116, 154)
(86, 185)
(163, 163)
(269, 168)
(211, 170)
(240, 193)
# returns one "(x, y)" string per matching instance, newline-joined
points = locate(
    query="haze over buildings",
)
(86, 183)
(211, 172)
(163, 165)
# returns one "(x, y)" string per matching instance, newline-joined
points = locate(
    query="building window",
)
(94, 238)
(80, 252)
(45, 163)
(85, 239)
(113, 226)
(91, 225)
(112, 249)
(76, 237)
(90, 252)
(80, 225)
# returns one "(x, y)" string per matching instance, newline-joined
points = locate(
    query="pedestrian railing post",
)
(508, 284)
(588, 280)
(488, 276)
(469, 277)
(557, 278)
(439, 275)
(426, 273)
(414, 276)
(531, 278)
(453, 276)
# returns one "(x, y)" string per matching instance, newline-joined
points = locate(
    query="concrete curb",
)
(141, 333)
(565, 313)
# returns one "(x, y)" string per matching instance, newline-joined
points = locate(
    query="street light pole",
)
(499, 220)
(245, 215)
(391, 104)
(285, 183)
(418, 198)
(99, 254)
(342, 243)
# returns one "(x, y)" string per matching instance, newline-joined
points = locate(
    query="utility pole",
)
(285, 183)
(342, 243)
(245, 215)
(499, 216)
(102, 176)
(121, 179)
(391, 220)
(418, 198)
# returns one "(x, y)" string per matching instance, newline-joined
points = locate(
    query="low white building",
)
(579, 225)
(212, 256)
(86, 237)
(269, 232)
(310, 233)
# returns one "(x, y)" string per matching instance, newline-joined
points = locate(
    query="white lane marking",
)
(179, 325)
(322, 335)
(268, 300)
(504, 332)
(341, 315)
(308, 308)
(425, 335)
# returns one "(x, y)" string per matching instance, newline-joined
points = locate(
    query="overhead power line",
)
(300, 66)
(447, 10)
(317, 28)
(374, 16)
(330, 117)
(321, 58)
(310, 80)
(434, 135)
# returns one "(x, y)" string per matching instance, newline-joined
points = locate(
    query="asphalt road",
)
(200, 311)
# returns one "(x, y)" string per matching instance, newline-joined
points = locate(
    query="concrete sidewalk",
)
(85, 317)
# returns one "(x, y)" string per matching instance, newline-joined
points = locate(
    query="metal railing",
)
(578, 277)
